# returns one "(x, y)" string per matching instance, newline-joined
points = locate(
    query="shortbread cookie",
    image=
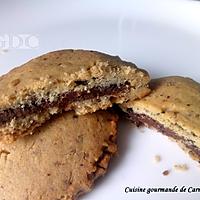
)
(79, 80)
(173, 108)
(61, 160)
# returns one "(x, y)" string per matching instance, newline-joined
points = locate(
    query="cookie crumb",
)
(157, 158)
(181, 167)
(166, 172)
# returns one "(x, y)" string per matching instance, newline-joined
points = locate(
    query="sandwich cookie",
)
(79, 80)
(173, 108)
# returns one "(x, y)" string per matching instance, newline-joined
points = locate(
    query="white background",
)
(161, 36)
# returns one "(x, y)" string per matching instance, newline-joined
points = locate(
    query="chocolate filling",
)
(142, 119)
(61, 101)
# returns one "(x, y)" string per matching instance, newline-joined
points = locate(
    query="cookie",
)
(80, 80)
(61, 160)
(173, 108)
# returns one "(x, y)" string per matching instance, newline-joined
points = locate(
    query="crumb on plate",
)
(181, 167)
(157, 158)
(166, 172)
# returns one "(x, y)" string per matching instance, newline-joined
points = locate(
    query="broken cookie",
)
(84, 81)
(173, 108)
(61, 160)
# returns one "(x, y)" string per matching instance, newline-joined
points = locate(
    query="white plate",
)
(160, 36)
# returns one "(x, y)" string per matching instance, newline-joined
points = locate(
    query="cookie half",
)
(173, 108)
(61, 160)
(84, 81)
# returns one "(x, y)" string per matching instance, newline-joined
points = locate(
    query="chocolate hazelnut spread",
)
(142, 119)
(61, 101)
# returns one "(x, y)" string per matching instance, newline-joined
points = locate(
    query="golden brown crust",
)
(61, 67)
(61, 160)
